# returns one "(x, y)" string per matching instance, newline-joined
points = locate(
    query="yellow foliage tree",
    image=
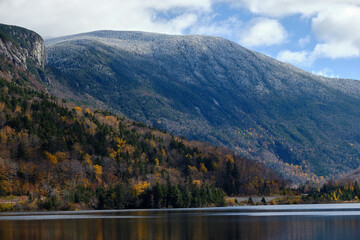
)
(229, 158)
(2, 106)
(6, 133)
(3, 137)
(112, 153)
(157, 162)
(87, 159)
(121, 147)
(192, 169)
(78, 109)
(196, 182)
(203, 168)
(61, 156)
(152, 143)
(98, 172)
(17, 109)
(120, 143)
(50, 157)
(163, 152)
(140, 187)
(28, 116)
(112, 121)
(88, 111)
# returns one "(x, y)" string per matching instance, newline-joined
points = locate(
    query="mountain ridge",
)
(212, 89)
(150, 36)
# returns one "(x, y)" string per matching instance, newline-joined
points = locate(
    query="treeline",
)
(182, 196)
(63, 156)
(121, 196)
(332, 192)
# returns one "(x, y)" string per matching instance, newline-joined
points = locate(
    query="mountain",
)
(63, 156)
(210, 89)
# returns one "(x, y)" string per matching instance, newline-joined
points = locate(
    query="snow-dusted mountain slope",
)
(209, 88)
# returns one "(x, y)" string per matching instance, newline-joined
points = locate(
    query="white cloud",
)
(335, 23)
(226, 28)
(169, 4)
(326, 72)
(61, 17)
(263, 32)
(282, 8)
(181, 22)
(339, 31)
(302, 58)
(335, 50)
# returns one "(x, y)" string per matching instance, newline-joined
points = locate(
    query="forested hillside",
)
(210, 89)
(64, 156)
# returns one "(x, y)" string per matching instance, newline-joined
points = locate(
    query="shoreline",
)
(251, 210)
(241, 201)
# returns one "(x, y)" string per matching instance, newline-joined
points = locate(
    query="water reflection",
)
(228, 223)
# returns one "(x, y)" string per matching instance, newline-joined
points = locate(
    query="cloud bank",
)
(62, 17)
(335, 24)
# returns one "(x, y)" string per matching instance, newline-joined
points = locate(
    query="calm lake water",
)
(320, 221)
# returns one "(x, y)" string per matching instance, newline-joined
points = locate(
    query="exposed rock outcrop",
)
(20, 45)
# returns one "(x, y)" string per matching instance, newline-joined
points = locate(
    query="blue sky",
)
(320, 36)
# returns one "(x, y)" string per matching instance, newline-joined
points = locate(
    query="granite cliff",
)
(20, 46)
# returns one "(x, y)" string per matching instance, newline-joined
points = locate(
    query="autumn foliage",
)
(65, 156)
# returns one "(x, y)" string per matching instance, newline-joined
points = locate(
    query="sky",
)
(320, 36)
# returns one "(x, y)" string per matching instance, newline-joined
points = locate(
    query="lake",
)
(315, 221)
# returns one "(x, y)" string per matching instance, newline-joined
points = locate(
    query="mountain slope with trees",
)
(65, 156)
(211, 89)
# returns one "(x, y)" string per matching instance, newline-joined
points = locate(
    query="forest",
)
(332, 192)
(58, 155)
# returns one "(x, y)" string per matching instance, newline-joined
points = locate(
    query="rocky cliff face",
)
(20, 45)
